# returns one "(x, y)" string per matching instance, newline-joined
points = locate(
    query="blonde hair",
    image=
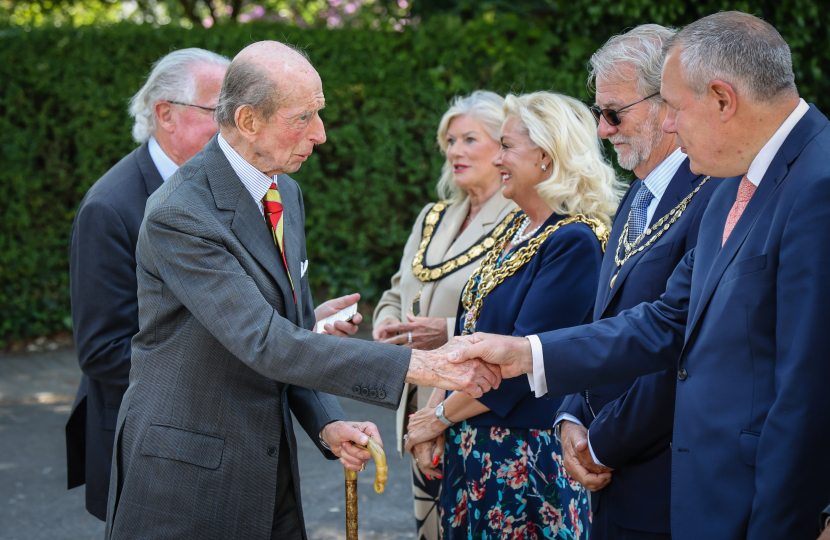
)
(581, 179)
(484, 107)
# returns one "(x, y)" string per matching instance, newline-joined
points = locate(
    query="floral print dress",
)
(502, 483)
(508, 483)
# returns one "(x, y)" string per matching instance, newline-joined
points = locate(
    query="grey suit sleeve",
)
(103, 292)
(188, 256)
(314, 410)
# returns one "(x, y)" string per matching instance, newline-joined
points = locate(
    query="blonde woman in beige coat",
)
(445, 247)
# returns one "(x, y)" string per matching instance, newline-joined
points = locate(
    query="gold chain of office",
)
(492, 276)
(662, 224)
(432, 273)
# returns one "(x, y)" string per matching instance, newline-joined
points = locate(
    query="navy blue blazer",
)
(632, 432)
(744, 326)
(104, 294)
(555, 289)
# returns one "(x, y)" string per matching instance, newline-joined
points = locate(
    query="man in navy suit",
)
(173, 115)
(744, 318)
(629, 430)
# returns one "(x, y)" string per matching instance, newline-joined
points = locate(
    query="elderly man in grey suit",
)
(225, 350)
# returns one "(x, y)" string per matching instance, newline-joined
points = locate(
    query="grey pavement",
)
(36, 394)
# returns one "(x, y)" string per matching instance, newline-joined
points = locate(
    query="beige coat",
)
(438, 298)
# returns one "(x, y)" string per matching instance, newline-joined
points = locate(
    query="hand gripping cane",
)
(351, 485)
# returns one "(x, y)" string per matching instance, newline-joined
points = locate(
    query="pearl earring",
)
(544, 167)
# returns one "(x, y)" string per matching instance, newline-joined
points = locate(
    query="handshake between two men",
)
(472, 364)
(489, 355)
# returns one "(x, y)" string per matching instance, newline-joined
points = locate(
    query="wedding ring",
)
(409, 337)
(405, 437)
(363, 467)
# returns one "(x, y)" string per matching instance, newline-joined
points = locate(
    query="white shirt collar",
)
(255, 181)
(659, 179)
(758, 167)
(166, 166)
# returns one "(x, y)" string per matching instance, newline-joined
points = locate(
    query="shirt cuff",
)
(562, 417)
(536, 379)
(591, 449)
(323, 443)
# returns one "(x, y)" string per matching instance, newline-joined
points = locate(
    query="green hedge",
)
(63, 123)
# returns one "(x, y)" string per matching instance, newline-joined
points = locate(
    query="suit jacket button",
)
(682, 374)
(272, 451)
(373, 393)
(356, 389)
(364, 392)
(381, 394)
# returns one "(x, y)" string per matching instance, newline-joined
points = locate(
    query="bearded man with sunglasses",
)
(626, 428)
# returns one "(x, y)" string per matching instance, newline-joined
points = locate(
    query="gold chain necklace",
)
(432, 273)
(665, 222)
(473, 296)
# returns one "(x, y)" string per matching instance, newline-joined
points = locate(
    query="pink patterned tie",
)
(745, 191)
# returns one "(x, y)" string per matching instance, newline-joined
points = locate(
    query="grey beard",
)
(640, 146)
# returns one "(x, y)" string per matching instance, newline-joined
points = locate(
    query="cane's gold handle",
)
(381, 470)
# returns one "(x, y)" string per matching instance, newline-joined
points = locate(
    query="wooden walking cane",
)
(351, 485)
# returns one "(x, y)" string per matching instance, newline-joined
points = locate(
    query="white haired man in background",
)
(173, 115)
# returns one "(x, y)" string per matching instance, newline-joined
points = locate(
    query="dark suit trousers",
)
(286, 524)
(604, 528)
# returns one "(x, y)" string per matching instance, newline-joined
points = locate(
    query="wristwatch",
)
(439, 414)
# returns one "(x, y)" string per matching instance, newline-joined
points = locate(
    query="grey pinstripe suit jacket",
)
(221, 355)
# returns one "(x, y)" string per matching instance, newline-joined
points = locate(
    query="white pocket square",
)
(303, 267)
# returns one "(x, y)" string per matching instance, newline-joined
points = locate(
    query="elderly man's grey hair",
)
(640, 50)
(482, 106)
(170, 80)
(246, 83)
(739, 49)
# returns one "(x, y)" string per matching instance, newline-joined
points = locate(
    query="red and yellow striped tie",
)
(272, 206)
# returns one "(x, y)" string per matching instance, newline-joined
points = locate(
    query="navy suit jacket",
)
(745, 327)
(554, 289)
(104, 294)
(632, 431)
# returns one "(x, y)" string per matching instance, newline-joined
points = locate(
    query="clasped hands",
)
(576, 455)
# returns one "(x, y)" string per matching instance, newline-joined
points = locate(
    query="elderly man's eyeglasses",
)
(191, 105)
(611, 115)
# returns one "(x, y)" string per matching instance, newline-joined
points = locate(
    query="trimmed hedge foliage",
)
(63, 123)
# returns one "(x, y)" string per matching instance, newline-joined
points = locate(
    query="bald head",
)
(262, 76)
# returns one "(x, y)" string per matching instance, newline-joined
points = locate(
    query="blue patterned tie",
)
(638, 218)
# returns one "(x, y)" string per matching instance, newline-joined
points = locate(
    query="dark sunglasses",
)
(611, 115)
